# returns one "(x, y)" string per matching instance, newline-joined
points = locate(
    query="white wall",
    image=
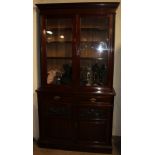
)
(117, 68)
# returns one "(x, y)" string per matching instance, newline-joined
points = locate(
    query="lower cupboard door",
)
(90, 132)
(57, 128)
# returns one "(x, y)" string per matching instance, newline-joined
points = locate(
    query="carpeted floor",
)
(42, 151)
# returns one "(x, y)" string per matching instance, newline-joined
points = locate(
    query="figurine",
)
(58, 78)
(83, 76)
(67, 75)
(96, 71)
(51, 75)
(89, 76)
(102, 74)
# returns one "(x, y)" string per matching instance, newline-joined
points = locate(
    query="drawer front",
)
(55, 105)
(55, 98)
(95, 99)
(87, 112)
(57, 110)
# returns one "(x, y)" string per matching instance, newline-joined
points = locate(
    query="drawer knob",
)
(57, 98)
(93, 99)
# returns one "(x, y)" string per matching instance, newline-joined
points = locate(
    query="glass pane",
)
(59, 50)
(59, 37)
(94, 46)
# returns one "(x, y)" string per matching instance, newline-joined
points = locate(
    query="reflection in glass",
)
(49, 32)
(102, 47)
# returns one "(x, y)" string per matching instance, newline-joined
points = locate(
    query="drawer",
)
(88, 99)
(55, 98)
(59, 110)
(93, 112)
(55, 105)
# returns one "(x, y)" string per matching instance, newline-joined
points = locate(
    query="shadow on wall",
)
(36, 72)
(117, 87)
(35, 117)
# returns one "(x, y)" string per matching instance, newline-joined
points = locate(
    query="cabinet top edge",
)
(110, 5)
(103, 92)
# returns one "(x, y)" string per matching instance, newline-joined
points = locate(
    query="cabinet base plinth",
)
(76, 147)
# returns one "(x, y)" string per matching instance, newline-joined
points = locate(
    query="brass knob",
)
(93, 99)
(57, 97)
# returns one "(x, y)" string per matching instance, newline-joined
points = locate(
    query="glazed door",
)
(94, 50)
(57, 50)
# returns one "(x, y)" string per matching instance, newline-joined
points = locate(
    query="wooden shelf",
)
(91, 58)
(59, 42)
(59, 57)
(92, 41)
(70, 28)
(82, 58)
(94, 28)
(58, 28)
(71, 41)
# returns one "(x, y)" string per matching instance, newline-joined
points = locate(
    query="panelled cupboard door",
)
(55, 117)
(57, 128)
(92, 132)
(94, 124)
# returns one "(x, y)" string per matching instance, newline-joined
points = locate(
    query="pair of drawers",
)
(88, 98)
(85, 107)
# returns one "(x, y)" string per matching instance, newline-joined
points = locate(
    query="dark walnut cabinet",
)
(76, 95)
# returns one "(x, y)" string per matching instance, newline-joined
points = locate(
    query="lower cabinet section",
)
(72, 123)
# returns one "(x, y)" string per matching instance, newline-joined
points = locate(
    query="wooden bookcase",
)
(76, 95)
